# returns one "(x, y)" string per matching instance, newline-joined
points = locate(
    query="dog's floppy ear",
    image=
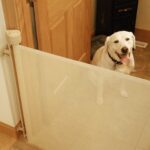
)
(134, 41)
(107, 41)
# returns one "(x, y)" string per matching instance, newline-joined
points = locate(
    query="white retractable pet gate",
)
(70, 105)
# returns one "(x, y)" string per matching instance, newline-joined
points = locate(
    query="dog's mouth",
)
(124, 58)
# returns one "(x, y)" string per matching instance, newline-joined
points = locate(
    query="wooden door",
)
(64, 27)
(17, 16)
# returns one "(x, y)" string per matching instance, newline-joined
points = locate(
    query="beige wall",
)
(143, 15)
(8, 105)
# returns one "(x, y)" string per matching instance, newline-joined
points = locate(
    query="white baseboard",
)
(141, 44)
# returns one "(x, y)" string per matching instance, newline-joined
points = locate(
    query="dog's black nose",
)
(124, 50)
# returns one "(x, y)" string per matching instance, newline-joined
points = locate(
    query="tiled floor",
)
(142, 56)
(142, 63)
(10, 143)
(6, 141)
(23, 145)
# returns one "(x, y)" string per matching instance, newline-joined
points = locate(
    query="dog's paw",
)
(123, 69)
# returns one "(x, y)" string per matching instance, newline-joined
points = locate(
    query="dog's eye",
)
(127, 39)
(116, 41)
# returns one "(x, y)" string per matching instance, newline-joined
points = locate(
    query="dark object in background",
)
(97, 42)
(115, 15)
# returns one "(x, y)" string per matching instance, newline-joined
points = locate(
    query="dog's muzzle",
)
(124, 56)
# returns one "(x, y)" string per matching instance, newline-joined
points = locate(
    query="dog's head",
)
(120, 45)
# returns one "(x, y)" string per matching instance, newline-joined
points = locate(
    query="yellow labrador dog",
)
(117, 52)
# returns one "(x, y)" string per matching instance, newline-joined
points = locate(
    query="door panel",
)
(63, 29)
(58, 37)
(78, 29)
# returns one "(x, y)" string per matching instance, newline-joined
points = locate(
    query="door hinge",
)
(31, 2)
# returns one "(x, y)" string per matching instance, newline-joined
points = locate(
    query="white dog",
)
(117, 53)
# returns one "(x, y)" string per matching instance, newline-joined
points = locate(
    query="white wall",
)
(143, 15)
(8, 105)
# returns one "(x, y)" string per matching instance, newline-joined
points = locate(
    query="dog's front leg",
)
(132, 63)
(123, 69)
